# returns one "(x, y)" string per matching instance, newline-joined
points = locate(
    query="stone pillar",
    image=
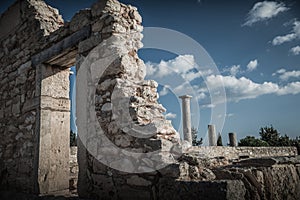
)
(186, 118)
(54, 130)
(232, 139)
(212, 137)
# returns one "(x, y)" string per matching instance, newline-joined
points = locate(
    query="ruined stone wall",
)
(37, 51)
(73, 170)
(127, 149)
(22, 27)
(242, 152)
(120, 117)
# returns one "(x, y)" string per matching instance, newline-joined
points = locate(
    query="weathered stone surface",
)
(126, 128)
(170, 189)
(269, 180)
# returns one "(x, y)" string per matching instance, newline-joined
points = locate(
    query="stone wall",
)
(126, 147)
(234, 153)
(121, 124)
(22, 27)
(37, 49)
(265, 178)
(73, 178)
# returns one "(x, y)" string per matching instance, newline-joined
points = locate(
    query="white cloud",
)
(291, 88)
(295, 50)
(236, 88)
(150, 68)
(170, 115)
(244, 88)
(265, 10)
(234, 69)
(282, 39)
(229, 115)
(252, 65)
(285, 75)
(281, 71)
(208, 106)
(201, 95)
(288, 37)
(164, 91)
(183, 65)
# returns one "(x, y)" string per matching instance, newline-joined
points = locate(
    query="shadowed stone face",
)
(126, 148)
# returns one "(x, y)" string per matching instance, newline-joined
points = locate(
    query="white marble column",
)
(186, 118)
(232, 139)
(212, 137)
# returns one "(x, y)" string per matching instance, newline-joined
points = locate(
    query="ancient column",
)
(212, 137)
(232, 139)
(186, 118)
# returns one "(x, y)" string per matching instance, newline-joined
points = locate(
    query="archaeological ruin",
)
(126, 147)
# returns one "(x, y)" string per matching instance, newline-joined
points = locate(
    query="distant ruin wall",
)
(243, 152)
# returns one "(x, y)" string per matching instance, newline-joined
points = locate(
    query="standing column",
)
(186, 118)
(232, 140)
(212, 137)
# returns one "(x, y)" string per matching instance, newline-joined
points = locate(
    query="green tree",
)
(269, 135)
(73, 139)
(252, 142)
(219, 141)
(296, 143)
(196, 142)
(284, 141)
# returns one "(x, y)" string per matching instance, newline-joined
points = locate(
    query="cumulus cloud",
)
(180, 65)
(282, 39)
(183, 65)
(263, 11)
(252, 65)
(286, 75)
(164, 91)
(170, 115)
(234, 69)
(295, 50)
(203, 89)
(244, 88)
(288, 37)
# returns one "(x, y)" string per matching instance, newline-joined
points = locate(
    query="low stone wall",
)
(73, 170)
(243, 152)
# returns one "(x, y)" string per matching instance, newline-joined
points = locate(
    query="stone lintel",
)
(62, 48)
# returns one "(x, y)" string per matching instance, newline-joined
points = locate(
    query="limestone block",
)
(80, 19)
(97, 8)
(89, 43)
(97, 26)
(138, 181)
(135, 15)
(127, 192)
(113, 6)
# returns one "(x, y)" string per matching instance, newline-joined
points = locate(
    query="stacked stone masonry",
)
(37, 49)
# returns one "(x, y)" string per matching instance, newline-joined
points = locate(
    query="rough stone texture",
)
(265, 178)
(23, 26)
(73, 178)
(233, 153)
(36, 51)
(218, 190)
(126, 114)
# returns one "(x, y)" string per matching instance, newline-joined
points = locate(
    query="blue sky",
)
(255, 46)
